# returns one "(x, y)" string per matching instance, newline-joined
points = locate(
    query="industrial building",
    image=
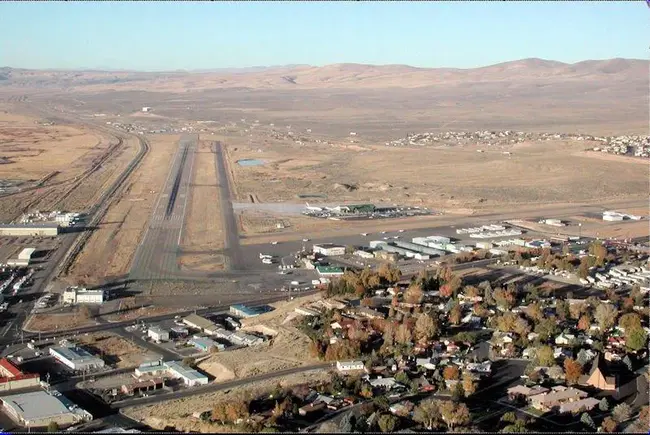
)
(197, 322)
(242, 310)
(79, 295)
(615, 216)
(51, 230)
(26, 254)
(189, 376)
(12, 378)
(172, 369)
(39, 408)
(328, 249)
(329, 271)
(205, 344)
(158, 334)
(553, 222)
(76, 358)
(386, 256)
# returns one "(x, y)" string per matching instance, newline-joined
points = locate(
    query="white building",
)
(76, 358)
(554, 222)
(26, 254)
(189, 376)
(158, 334)
(40, 408)
(78, 295)
(348, 366)
(329, 249)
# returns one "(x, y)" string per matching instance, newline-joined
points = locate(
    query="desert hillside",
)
(630, 72)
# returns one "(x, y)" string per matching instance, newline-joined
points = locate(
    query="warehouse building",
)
(40, 408)
(328, 249)
(419, 248)
(197, 322)
(79, 295)
(329, 271)
(12, 378)
(51, 230)
(386, 256)
(76, 358)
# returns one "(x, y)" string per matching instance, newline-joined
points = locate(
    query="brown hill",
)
(337, 76)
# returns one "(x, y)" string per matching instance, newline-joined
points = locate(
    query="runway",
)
(232, 249)
(156, 256)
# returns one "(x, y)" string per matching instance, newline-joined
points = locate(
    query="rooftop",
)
(34, 225)
(184, 371)
(73, 353)
(329, 269)
(199, 321)
(36, 405)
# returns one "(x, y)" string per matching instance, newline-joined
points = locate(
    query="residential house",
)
(556, 397)
(383, 383)
(524, 392)
(565, 339)
(427, 363)
(349, 366)
(484, 368)
(582, 405)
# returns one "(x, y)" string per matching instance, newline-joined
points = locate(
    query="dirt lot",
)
(54, 322)
(119, 233)
(115, 349)
(287, 348)
(177, 413)
(142, 313)
(445, 178)
(203, 231)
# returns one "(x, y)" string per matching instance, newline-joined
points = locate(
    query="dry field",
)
(113, 244)
(178, 413)
(448, 179)
(203, 230)
(142, 313)
(53, 322)
(34, 151)
(288, 347)
(119, 351)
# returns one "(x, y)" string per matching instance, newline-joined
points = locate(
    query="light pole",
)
(579, 230)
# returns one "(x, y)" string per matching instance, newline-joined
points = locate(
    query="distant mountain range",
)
(336, 76)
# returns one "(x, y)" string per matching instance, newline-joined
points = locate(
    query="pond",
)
(250, 162)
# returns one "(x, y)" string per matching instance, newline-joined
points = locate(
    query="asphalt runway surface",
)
(231, 242)
(156, 256)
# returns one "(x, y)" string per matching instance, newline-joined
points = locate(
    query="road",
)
(211, 388)
(156, 256)
(231, 241)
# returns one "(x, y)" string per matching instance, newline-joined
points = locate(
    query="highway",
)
(231, 242)
(156, 256)
(211, 388)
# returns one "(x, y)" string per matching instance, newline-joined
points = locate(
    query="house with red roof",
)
(12, 378)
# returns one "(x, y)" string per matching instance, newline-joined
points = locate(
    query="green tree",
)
(603, 405)
(428, 414)
(587, 420)
(544, 356)
(636, 339)
(426, 327)
(621, 412)
(387, 423)
(605, 316)
(53, 426)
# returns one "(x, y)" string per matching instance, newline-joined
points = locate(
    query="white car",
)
(364, 234)
(401, 231)
(274, 243)
(305, 240)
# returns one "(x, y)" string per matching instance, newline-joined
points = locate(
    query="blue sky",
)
(187, 35)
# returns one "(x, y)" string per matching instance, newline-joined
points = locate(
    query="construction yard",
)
(203, 230)
(114, 242)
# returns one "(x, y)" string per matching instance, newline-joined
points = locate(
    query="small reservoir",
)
(250, 162)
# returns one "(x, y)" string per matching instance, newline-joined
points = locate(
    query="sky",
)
(155, 36)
